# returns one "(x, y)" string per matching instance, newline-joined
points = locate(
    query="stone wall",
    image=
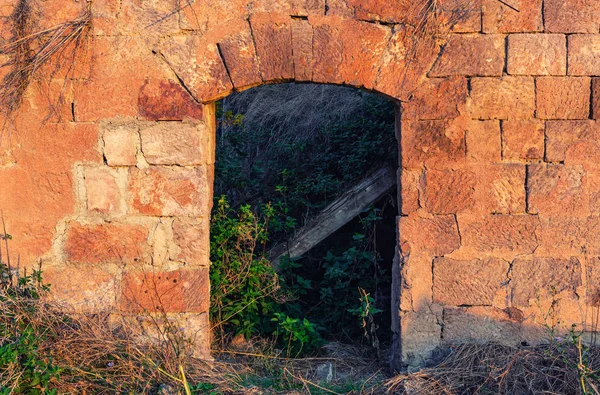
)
(499, 175)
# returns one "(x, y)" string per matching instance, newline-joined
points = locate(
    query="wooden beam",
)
(337, 214)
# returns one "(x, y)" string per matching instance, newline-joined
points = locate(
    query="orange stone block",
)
(499, 234)
(193, 241)
(169, 191)
(512, 16)
(523, 140)
(167, 100)
(347, 52)
(471, 55)
(561, 136)
(436, 235)
(449, 191)
(102, 191)
(502, 98)
(106, 243)
(175, 143)
(572, 16)
(273, 40)
(239, 56)
(537, 54)
(483, 140)
(557, 190)
(473, 282)
(437, 98)
(584, 54)
(431, 141)
(563, 97)
(175, 291)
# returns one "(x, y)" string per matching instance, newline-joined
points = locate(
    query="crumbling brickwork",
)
(499, 172)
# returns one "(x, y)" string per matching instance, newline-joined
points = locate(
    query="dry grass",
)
(499, 369)
(30, 50)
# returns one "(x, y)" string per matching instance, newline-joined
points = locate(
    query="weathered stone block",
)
(584, 54)
(483, 140)
(500, 235)
(421, 333)
(83, 291)
(562, 237)
(523, 139)
(193, 242)
(502, 98)
(302, 41)
(437, 235)
(167, 100)
(514, 16)
(102, 191)
(501, 189)
(409, 189)
(437, 98)
(178, 291)
(198, 64)
(169, 191)
(537, 54)
(563, 97)
(121, 144)
(273, 40)
(571, 16)
(473, 282)
(556, 190)
(239, 56)
(543, 277)
(482, 324)
(405, 62)
(174, 143)
(106, 243)
(561, 136)
(449, 191)
(431, 141)
(347, 51)
(477, 55)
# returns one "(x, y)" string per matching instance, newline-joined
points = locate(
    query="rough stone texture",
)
(169, 191)
(592, 281)
(449, 191)
(431, 141)
(89, 291)
(513, 16)
(561, 136)
(121, 144)
(171, 143)
(571, 16)
(523, 140)
(437, 234)
(502, 98)
(166, 101)
(179, 291)
(273, 39)
(473, 283)
(437, 98)
(302, 41)
(482, 324)
(499, 234)
(584, 54)
(500, 189)
(478, 55)
(483, 138)
(409, 191)
(193, 242)
(563, 97)
(537, 54)
(557, 190)
(240, 59)
(539, 277)
(105, 243)
(102, 191)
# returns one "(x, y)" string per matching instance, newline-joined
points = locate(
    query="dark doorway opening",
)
(300, 157)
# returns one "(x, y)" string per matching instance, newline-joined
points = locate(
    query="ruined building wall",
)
(499, 175)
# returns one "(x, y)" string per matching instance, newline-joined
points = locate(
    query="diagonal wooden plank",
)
(337, 214)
